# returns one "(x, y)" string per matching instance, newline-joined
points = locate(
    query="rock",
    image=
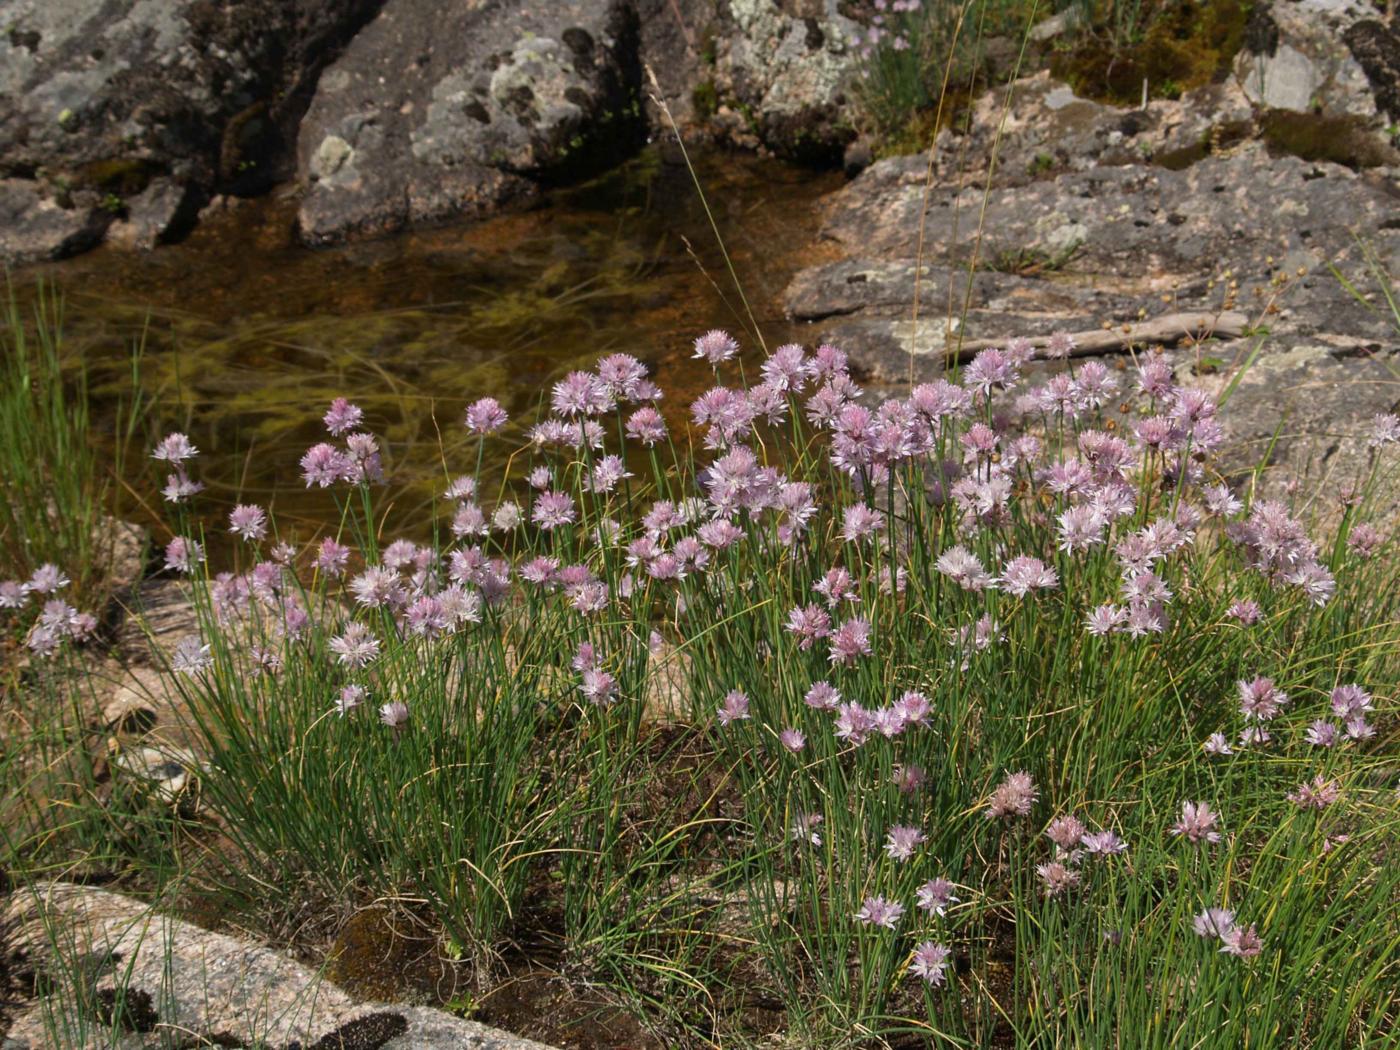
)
(1150, 227)
(206, 985)
(666, 701)
(34, 227)
(160, 613)
(1376, 47)
(790, 65)
(123, 545)
(110, 94)
(858, 156)
(1056, 25)
(1299, 56)
(1095, 219)
(1305, 413)
(161, 212)
(102, 100)
(431, 114)
(143, 699)
(167, 770)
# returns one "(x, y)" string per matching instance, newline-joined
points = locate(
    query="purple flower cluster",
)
(1072, 843)
(57, 621)
(1219, 923)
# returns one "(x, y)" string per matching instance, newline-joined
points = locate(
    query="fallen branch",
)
(1167, 330)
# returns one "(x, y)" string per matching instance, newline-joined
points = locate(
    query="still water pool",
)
(248, 335)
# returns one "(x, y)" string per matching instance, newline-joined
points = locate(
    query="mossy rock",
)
(123, 176)
(1184, 44)
(705, 99)
(369, 956)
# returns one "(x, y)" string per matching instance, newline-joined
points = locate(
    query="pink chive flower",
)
(793, 739)
(964, 568)
(355, 647)
(1197, 823)
(394, 714)
(179, 487)
(913, 708)
(1242, 941)
(1359, 729)
(1081, 527)
(191, 656)
(1246, 612)
(1317, 794)
(1056, 877)
(823, 697)
(1025, 574)
(1065, 832)
(1260, 699)
(12, 594)
(1350, 701)
(323, 465)
(1103, 843)
(877, 911)
(902, 840)
(351, 697)
(47, 579)
(1059, 346)
(599, 687)
(715, 346)
(582, 393)
(183, 555)
(1106, 619)
(174, 448)
(248, 522)
(836, 586)
(1013, 796)
(1364, 540)
(485, 416)
(804, 828)
(625, 377)
(850, 641)
(1252, 735)
(936, 895)
(343, 417)
(507, 517)
(854, 724)
(1213, 922)
(787, 368)
(553, 509)
(332, 558)
(809, 624)
(647, 426)
(860, 521)
(1385, 430)
(909, 778)
(930, 962)
(1216, 744)
(734, 708)
(1321, 733)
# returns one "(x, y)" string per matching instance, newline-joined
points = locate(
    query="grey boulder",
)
(433, 113)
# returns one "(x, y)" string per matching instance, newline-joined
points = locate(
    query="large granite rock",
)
(432, 113)
(789, 65)
(1096, 247)
(176, 981)
(1333, 57)
(101, 97)
(34, 226)
(1105, 222)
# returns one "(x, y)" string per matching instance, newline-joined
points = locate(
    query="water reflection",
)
(249, 335)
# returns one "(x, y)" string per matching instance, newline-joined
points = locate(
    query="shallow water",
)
(248, 335)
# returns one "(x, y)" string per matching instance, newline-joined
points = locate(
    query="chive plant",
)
(1039, 731)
